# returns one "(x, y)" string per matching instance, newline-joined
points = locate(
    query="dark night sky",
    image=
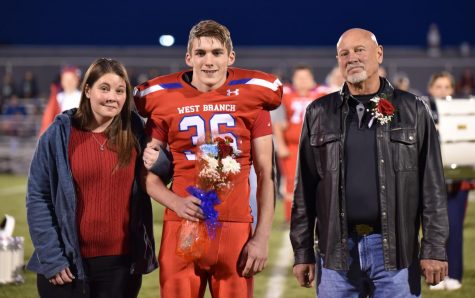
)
(307, 23)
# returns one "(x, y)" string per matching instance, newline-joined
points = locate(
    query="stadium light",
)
(166, 40)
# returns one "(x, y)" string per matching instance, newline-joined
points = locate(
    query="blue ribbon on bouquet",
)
(208, 200)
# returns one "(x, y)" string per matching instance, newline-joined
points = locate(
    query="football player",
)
(187, 108)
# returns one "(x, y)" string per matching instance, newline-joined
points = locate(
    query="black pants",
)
(106, 277)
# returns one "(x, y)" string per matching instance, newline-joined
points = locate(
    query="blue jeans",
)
(456, 204)
(366, 275)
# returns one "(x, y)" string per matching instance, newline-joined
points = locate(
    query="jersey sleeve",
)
(273, 90)
(262, 126)
(266, 88)
(150, 100)
(143, 103)
(155, 131)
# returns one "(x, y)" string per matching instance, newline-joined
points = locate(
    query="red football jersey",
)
(295, 107)
(185, 117)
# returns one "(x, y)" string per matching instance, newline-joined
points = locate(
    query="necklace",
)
(101, 146)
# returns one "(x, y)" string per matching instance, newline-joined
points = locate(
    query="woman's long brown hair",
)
(119, 132)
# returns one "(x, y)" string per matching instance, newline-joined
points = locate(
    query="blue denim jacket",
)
(51, 207)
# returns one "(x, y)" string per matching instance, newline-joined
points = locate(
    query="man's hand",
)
(62, 277)
(150, 156)
(188, 208)
(434, 271)
(305, 274)
(253, 257)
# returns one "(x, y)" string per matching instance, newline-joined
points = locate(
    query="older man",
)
(369, 174)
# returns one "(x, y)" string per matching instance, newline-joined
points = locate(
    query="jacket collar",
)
(385, 90)
(65, 118)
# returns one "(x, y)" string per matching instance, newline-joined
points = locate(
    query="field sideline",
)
(12, 201)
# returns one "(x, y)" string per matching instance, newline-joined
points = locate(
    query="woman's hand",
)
(62, 277)
(150, 156)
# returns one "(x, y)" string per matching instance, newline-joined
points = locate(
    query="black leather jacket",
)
(410, 181)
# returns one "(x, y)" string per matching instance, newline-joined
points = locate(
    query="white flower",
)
(210, 174)
(375, 99)
(230, 165)
(212, 162)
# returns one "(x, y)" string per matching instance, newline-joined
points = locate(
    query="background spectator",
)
(29, 87)
(65, 99)
(8, 89)
(13, 114)
(466, 84)
(402, 81)
(441, 86)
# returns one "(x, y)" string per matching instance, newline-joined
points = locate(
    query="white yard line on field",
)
(12, 190)
(276, 283)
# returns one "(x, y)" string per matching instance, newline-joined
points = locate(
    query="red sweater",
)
(103, 196)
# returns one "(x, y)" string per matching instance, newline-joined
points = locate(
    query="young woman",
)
(441, 86)
(89, 218)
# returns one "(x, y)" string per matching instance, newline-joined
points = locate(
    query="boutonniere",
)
(381, 110)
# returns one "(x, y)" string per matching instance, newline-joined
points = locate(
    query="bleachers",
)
(18, 137)
(46, 63)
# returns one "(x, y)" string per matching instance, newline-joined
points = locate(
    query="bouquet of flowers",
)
(216, 166)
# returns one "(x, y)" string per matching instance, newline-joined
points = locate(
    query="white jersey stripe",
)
(147, 91)
(260, 82)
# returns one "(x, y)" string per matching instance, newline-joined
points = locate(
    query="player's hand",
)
(434, 271)
(283, 151)
(62, 277)
(305, 274)
(189, 208)
(150, 156)
(253, 257)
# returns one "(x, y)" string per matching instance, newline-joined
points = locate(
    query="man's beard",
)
(357, 77)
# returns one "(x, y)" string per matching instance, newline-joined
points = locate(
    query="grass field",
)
(12, 201)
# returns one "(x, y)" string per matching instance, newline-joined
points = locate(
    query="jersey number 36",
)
(216, 126)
